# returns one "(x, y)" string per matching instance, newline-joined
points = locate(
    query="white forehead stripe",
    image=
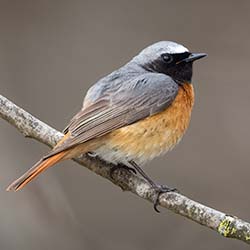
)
(164, 47)
(169, 47)
(175, 48)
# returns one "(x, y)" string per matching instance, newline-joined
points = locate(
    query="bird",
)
(134, 114)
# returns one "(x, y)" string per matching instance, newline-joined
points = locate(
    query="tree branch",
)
(226, 225)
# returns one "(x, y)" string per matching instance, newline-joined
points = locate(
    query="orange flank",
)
(159, 133)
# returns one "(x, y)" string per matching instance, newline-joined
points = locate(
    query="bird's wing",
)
(135, 100)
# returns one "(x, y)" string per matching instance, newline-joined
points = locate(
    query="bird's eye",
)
(167, 58)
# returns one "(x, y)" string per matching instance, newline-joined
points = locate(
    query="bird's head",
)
(169, 58)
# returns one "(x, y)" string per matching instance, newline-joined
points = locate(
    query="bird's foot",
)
(91, 154)
(161, 189)
(120, 166)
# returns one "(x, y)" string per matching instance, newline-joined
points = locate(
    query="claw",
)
(161, 189)
(91, 154)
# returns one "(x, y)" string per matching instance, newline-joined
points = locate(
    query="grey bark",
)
(226, 225)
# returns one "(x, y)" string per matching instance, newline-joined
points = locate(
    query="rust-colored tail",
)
(39, 167)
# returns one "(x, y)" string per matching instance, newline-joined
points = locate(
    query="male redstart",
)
(132, 115)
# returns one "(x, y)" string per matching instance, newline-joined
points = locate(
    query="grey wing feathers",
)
(136, 99)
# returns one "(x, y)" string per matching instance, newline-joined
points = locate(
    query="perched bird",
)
(132, 115)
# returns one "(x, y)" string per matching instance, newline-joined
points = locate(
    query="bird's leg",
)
(160, 189)
(121, 166)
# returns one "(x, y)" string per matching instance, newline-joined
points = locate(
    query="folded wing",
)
(135, 100)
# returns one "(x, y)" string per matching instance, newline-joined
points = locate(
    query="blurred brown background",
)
(52, 51)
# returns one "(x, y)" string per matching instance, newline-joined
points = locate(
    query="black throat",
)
(181, 73)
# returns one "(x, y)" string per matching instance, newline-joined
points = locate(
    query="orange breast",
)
(157, 134)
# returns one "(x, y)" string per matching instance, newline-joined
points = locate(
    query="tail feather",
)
(39, 167)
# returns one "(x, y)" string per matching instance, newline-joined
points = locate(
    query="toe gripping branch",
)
(161, 189)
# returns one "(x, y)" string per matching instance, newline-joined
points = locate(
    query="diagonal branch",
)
(226, 225)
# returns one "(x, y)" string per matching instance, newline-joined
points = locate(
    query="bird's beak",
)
(193, 57)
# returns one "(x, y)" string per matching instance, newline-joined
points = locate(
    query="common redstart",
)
(132, 115)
